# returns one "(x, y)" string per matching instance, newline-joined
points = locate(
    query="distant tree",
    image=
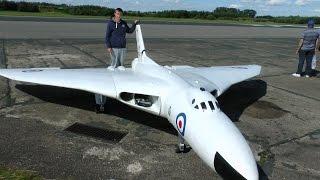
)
(8, 5)
(218, 13)
(28, 7)
(265, 17)
(249, 13)
(89, 10)
(226, 12)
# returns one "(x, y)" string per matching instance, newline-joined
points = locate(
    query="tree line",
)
(220, 13)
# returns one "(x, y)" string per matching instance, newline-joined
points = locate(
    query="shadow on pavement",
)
(85, 100)
(233, 102)
(240, 96)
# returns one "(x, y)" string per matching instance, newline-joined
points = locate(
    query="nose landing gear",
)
(181, 147)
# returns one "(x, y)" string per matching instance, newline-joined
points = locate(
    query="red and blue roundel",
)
(181, 123)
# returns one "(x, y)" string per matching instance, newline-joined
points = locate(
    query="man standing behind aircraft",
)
(116, 38)
(307, 46)
(116, 45)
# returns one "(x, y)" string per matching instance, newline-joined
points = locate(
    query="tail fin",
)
(140, 43)
(142, 54)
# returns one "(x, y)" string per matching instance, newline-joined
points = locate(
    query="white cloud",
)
(171, 1)
(250, 1)
(317, 10)
(302, 2)
(237, 6)
(276, 2)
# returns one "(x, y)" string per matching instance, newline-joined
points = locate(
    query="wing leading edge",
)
(96, 80)
(218, 78)
(92, 80)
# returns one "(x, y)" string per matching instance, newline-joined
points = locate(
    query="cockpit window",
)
(193, 101)
(197, 107)
(203, 105)
(211, 105)
(218, 106)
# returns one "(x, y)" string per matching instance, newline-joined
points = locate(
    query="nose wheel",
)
(181, 147)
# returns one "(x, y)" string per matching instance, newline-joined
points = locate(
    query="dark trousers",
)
(307, 56)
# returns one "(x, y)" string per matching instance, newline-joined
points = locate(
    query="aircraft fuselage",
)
(196, 115)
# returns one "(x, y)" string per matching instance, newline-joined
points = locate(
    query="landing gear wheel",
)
(181, 148)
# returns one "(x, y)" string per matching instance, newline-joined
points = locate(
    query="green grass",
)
(130, 18)
(45, 14)
(11, 174)
(195, 21)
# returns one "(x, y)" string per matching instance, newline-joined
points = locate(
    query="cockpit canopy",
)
(206, 105)
(202, 100)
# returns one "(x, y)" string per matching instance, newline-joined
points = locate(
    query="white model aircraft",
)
(185, 95)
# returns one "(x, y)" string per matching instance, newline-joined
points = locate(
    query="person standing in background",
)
(314, 60)
(308, 44)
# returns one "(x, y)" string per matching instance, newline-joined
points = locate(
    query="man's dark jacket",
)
(116, 33)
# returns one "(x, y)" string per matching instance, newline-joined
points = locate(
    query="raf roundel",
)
(181, 121)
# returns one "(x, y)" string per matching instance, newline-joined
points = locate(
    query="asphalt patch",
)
(97, 133)
(265, 110)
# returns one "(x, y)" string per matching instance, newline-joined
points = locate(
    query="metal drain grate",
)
(98, 133)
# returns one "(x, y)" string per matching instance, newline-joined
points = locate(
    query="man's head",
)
(118, 13)
(311, 23)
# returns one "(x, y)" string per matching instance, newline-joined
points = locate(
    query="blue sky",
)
(263, 7)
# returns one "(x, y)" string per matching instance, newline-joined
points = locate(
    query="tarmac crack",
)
(268, 156)
(62, 63)
(291, 92)
(300, 168)
(181, 59)
(37, 54)
(25, 103)
(274, 75)
(275, 65)
(294, 139)
(84, 52)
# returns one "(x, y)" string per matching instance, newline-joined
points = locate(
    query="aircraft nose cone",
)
(227, 172)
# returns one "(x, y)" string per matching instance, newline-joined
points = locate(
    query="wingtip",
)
(2, 71)
(257, 68)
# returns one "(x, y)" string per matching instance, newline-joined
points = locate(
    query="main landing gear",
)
(99, 108)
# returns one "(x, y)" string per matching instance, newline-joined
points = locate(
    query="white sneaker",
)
(307, 76)
(296, 75)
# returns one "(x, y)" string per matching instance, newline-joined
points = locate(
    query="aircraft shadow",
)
(86, 101)
(316, 73)
(233, 102)
(240, 96)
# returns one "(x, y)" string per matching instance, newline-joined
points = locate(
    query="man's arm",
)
(108, 35)
(133, 27)
(299, 46)
(317, 45)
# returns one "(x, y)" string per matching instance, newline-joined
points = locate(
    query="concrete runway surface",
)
(277, 113)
